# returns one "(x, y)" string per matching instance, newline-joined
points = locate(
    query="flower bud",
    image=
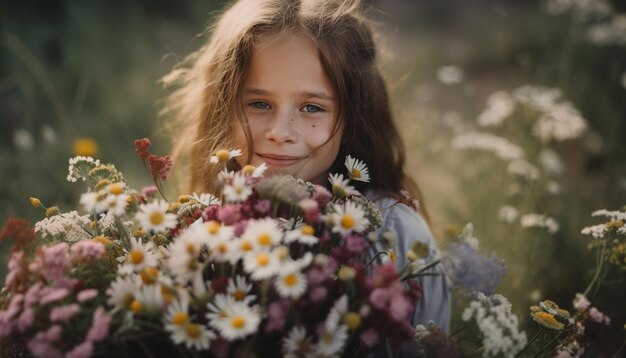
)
(52, 211)
(35, 202)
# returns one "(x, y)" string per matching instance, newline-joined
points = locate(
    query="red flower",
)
(142, 147)
(160, 167)
(18, 229)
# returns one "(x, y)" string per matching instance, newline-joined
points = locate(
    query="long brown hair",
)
(206, 87)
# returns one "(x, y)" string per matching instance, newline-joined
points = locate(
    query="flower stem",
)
(598, 270)
(530, 342)
(547, 345)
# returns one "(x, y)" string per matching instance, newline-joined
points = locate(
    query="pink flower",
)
(26, 319)
(52, 262)
(311, 210)
(15, 269)
(229, 214)
(64, 313)
(14, 307)
(53, 295)
(83, 350)
(318, 294)
(86, 295)
(87, 250)
(581, 303)
(142, 147)
(149, 190)
(39, 346)
(322, 196)
(32, 295)
(276, 316)
(53, 333)
(262, 206)
(355, 244)
(598, 316)
(100, 326)
(369, 338)
(160, 167)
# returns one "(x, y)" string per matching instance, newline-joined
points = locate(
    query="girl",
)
(295, 84)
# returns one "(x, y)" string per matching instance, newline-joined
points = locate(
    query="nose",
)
(281, 128)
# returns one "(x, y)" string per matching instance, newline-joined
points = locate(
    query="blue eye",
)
(312, 108)
(260, 105)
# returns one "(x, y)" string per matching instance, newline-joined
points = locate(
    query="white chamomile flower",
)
(193, 335)
(287, 264)
(205, 198)
(139, 256)
(122, 292)
(223, 155)
(239, 289)
(340, 186)
(213, 230)
(94, 202)
(149, 300)
(331, 341)
(348, 218)
(290, 284)
(154, 216)
(115, 188)
(116, 204)
(357, 169)
(336, 313)
(297, 344)
(263, 233)
(236, 320)
(184, 255)
(237, 190)
(303, 234)
(261, 264)
(255, 172)
(225, 176)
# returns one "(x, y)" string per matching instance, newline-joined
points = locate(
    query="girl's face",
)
(291, 109)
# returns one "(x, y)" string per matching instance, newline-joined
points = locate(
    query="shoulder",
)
(406, 223)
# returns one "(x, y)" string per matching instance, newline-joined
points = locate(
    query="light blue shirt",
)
(409, 227)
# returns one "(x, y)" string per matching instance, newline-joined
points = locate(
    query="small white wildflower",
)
(357, 170)
(222, 156)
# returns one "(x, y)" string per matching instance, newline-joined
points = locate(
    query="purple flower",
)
(263, 206)
(598, 316)
(473, 271)
(276, 315)
(369, 338)
(355, 244)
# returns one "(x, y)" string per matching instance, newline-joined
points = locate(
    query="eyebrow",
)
(306, 94)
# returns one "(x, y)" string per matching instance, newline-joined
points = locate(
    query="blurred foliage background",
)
(82, 76)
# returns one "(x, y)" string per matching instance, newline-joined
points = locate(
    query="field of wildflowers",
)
(513, 113)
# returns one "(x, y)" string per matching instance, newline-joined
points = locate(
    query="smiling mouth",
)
(275, 160)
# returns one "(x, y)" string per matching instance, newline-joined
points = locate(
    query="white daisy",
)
(94, 202)
(348, 218)
(290, 284)
(236, 320)
(296, 344)
(357, 169)
(154, 216)
(122, 292)
(149, 300)
(223, 155)
(193, 335)
(217, 308)
(263, 233)
(239, 289)
(261, 264)
(205, 198)
(287, 264)
(213, 230)
(116, 204)
(138, 257)
(255, 172)
(115, 188)
(237, 190)
(331, 341)
(340, 186)
(339, 309)
(225, 176)
(303, 234)
(184, 255)
(240, 247)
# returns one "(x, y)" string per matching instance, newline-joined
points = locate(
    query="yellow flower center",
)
(262, 259)
(191, 249)
(222, 248)
(128, 300)
(347, 221)
(290, 280)
(282, 253)
(222, 155)
(356, 173)
(136, 307)
(116, 188)
(239, 295)
(192, 330)
(352, 320)
(149, 275)
(265, 239)
(223, 314)
(156, 218)
(307, 230)
(393, 255)
(238, 322)
(136, 256)
(248, 169)
(86, 147)
(102, 239)
(246, 246)
(327, 338)
(239, 189)
(179, 318)
(213, 227)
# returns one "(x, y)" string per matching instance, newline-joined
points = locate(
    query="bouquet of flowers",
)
(272, 266)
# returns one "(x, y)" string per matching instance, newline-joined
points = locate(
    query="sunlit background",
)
(508, 109)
